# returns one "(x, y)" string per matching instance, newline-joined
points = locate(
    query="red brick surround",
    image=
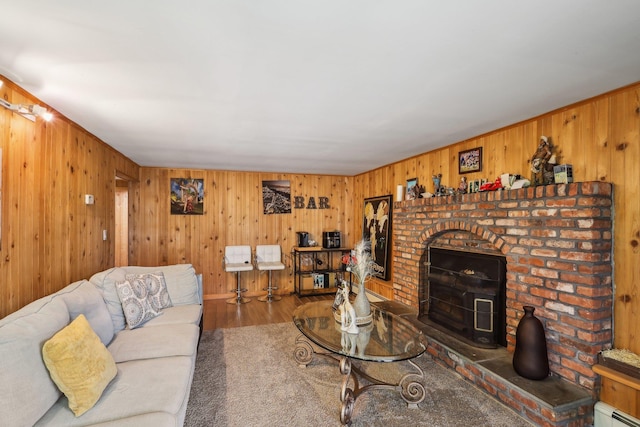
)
(557, 240)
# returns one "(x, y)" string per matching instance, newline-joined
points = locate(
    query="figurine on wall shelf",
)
(542, 163)
(436, 183)
(492, 186)
(462, 188)
(416, 192)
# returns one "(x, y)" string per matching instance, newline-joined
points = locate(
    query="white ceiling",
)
(324, 86)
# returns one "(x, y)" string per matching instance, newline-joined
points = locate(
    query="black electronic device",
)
(331, 239)
(303, 239)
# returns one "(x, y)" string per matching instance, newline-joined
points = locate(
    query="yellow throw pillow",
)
(79, 364)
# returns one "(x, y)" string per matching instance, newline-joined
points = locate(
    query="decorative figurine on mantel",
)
(436, 183)
(416, 192)
(542, 163)
(462, 188)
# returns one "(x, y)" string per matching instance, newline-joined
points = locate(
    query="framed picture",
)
(410, 184)
(470, 160)
(187, 196)
(376, 228)
(276, 197)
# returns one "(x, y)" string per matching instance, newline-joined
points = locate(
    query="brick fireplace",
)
(557, 242)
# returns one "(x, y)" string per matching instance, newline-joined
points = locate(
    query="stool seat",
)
(269, 258)
(236, 260)
(263, 266)
(233, 267)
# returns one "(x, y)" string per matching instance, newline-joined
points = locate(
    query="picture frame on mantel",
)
(412, 182)
(470, 160)
(376, 228)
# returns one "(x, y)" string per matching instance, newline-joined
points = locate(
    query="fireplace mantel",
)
(557, 240)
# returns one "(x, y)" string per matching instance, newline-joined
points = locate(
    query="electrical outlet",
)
(88, 199)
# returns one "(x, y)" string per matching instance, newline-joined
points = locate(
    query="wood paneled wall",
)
(600, 137)
(50, 238)
(233, 215)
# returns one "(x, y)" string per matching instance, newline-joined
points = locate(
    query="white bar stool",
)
(269, 258)
(237, 259)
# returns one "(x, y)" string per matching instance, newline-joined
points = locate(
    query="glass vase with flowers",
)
(362, 267)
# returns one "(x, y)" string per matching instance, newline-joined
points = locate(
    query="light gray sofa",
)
(155, 362)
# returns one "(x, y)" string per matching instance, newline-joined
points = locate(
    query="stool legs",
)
(269, 297)
(238, 299)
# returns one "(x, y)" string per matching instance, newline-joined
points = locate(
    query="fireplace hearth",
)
(557, 244)
(465, 293)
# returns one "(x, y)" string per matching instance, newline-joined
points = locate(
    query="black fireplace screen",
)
(465, 293)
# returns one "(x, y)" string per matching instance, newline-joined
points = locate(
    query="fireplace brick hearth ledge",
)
(557, 241)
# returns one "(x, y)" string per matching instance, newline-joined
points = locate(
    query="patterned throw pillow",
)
(137, 308)
(156, 289)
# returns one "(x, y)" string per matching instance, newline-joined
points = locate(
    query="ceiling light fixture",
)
(29, 112)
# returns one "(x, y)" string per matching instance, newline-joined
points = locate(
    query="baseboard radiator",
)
(608, 416)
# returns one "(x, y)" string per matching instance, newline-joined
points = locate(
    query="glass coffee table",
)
(387, 338)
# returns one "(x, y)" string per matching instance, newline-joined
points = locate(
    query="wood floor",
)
(219, 314)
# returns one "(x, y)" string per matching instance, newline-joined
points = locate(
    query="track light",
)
(27, 111)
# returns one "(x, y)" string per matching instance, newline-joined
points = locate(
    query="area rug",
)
(248, 377)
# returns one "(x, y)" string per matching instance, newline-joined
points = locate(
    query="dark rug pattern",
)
(248, 377)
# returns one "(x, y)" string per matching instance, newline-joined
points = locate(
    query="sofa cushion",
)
(156, 288)
(135, 302)
(153, 419)
(105, 281)
(141, 387)
(154, 342)
(27, 391)
(84, 298)
(79, 364)
(191, 313)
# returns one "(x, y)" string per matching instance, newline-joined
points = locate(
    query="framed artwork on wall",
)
(470, 160)
(276, 197)
(187, 196)
(376, 228)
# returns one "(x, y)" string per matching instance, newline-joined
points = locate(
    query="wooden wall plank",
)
(625, 173)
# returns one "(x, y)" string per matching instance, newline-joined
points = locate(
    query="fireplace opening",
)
(465, 292)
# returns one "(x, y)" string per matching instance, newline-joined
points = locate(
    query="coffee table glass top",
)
(387, 338)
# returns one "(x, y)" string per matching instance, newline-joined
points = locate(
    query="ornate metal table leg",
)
(303, 352)
(347, 396)
(412, 388)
